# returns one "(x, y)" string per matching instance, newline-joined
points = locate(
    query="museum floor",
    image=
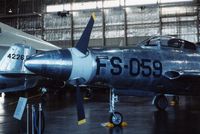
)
(141, 116)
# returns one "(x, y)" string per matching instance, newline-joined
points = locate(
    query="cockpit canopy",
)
(168, 41)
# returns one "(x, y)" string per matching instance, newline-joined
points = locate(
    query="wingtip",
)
(94, 16)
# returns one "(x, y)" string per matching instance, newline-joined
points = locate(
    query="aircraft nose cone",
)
(53, 64)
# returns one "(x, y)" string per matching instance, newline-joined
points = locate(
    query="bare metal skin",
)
(160, 65)
(13, 75)
(157, 66)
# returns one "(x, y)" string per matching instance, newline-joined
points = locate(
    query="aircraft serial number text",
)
(16, 56)
(135, 66)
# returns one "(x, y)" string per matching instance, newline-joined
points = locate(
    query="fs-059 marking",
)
(135, 66)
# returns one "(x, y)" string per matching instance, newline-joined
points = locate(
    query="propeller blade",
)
(83, 42)
(79, 103)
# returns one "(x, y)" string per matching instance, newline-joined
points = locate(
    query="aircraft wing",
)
(173, 75)
(15, 74)
(15, 89)
(29, 83)
(10, 35)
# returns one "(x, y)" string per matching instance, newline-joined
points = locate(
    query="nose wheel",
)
(161, 102)
(116, 118)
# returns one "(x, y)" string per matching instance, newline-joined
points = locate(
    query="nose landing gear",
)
(116, 118)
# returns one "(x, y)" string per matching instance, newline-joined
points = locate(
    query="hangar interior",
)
(118, 23)
(124, 22)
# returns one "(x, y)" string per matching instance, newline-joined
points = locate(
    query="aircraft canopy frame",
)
(168, 41)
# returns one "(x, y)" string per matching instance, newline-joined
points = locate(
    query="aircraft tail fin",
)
(13, 61)
(83, 42)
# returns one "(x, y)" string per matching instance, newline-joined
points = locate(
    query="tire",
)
(161, 102)
(116, 118)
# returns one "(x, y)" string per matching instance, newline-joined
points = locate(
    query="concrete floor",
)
(141, 116)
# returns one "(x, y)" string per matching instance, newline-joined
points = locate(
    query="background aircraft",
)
(159, 65)
(10, 36)
(13, 75)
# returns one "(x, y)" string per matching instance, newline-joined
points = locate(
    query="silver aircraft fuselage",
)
(161, 65)
(144, 68)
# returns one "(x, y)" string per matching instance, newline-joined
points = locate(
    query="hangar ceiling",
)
(117, 20)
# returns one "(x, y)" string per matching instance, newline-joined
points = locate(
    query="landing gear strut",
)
(161, 102)
(115, 117)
